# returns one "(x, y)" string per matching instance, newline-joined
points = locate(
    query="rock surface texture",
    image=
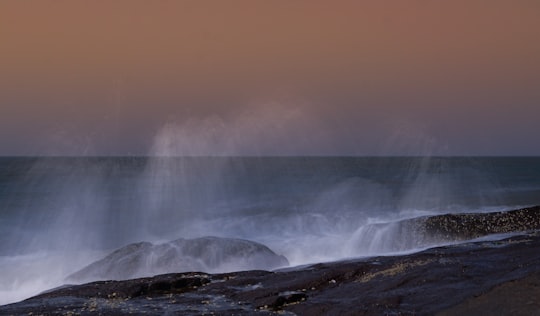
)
(182, 255)
(477, 278)
(456, 227)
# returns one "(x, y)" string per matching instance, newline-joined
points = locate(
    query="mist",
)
(213, 177)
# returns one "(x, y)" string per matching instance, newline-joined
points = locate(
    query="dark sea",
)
(59, 214)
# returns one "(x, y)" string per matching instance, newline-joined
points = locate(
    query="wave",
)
(208, 254)
(429, 231)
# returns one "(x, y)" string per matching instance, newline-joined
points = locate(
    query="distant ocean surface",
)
(59, 214)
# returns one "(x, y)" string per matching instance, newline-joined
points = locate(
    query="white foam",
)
(28, 275)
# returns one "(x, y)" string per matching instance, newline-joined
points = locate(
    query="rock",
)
(482, 277)
(209, 254)
(496, 277)
(473, 225)
(428, 231)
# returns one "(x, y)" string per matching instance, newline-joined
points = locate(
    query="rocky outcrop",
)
(209, 254)
(482, 277)
(429, 231)
(491, 277)
(473, 225)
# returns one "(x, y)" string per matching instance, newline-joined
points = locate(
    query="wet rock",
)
(454, 227)
(207, 254)
(427, 231)
(518, 297)
(482, 277)
(288, 298)
(447, 280)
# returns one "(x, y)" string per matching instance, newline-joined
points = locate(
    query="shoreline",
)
(490, 276)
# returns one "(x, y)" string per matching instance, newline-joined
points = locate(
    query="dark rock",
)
(288, 298)
(482, 277)
(445, 280)
(518, 297)
(473, 225)
(207, 254)
(427, 231)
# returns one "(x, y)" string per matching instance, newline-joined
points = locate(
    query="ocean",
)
(58, 214)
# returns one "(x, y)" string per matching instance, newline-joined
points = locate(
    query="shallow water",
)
(59, 214)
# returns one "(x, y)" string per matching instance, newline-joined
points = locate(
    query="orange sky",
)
(362, 77)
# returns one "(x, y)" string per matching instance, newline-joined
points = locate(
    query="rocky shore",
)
(481, 277)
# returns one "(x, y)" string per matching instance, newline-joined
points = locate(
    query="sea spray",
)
(309, 209)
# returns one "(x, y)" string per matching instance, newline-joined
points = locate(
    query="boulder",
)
(208, 254)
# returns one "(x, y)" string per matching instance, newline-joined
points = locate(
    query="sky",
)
(304, 77)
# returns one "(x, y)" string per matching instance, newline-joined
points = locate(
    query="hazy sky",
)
(270, 77)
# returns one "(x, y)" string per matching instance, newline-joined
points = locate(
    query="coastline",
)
(484, 276)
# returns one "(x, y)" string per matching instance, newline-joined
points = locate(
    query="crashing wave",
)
(428, 231)
(208, 254)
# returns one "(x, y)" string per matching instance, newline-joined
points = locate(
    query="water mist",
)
(213, 177)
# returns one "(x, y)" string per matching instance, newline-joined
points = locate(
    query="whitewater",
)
(59, 214)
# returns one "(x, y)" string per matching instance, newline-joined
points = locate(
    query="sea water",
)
(58, 214)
